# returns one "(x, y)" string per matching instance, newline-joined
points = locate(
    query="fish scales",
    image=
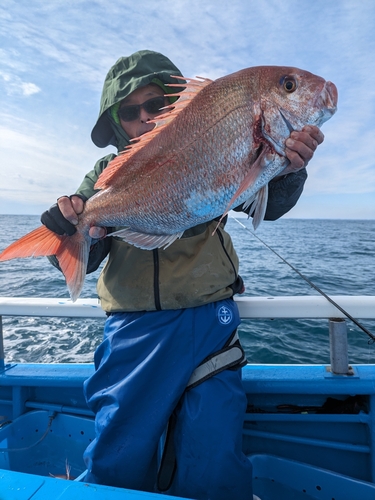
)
(217, 147)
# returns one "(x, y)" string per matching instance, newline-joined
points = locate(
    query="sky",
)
(55, 55)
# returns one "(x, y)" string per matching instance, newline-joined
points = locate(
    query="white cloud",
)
(15, 86)
(30, 88)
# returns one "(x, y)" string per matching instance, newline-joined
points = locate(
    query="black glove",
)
(54, 220)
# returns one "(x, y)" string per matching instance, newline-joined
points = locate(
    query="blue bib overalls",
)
(143, 366)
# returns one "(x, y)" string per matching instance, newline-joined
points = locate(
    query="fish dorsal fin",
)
(192, 88)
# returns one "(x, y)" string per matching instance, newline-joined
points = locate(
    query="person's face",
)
(140, 125)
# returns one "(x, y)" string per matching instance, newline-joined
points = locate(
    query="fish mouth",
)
(332, 95)
(327, 100)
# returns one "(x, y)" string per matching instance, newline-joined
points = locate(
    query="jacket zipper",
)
(155, 253)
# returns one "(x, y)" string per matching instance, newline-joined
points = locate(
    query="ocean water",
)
(337, 255)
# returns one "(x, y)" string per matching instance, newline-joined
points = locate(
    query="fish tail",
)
(72, 253)
(39, 242)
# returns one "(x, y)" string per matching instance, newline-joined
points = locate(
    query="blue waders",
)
(143, 367)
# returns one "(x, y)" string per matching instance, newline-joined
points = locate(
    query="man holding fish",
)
(169, 295)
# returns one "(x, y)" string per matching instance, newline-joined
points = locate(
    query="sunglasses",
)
(133, 112)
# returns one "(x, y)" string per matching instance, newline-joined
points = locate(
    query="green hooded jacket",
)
(198, 268)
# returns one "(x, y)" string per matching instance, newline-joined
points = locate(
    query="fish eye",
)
(289, 84)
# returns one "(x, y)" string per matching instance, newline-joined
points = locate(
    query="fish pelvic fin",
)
(71, 252)
(192, 88)
(146, 241)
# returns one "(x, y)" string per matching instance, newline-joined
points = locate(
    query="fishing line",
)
(372, 337)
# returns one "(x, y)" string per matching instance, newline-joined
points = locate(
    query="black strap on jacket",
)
(230, 357)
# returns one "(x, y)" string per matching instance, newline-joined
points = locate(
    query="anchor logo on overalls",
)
(225, 315)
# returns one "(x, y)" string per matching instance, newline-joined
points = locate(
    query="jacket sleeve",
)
(283, 195)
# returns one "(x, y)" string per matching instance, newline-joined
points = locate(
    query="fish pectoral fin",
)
(258, 209)
(146, 241)
(249, 180)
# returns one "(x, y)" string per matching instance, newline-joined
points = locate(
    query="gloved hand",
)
(55, 221)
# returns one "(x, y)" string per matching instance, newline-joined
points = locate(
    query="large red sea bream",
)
(218, 147)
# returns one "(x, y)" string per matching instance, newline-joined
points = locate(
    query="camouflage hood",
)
(125, 76)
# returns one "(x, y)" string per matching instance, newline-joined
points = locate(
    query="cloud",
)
(29, 88)
(13, 85)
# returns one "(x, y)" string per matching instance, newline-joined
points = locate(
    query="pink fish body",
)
(218, 147)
